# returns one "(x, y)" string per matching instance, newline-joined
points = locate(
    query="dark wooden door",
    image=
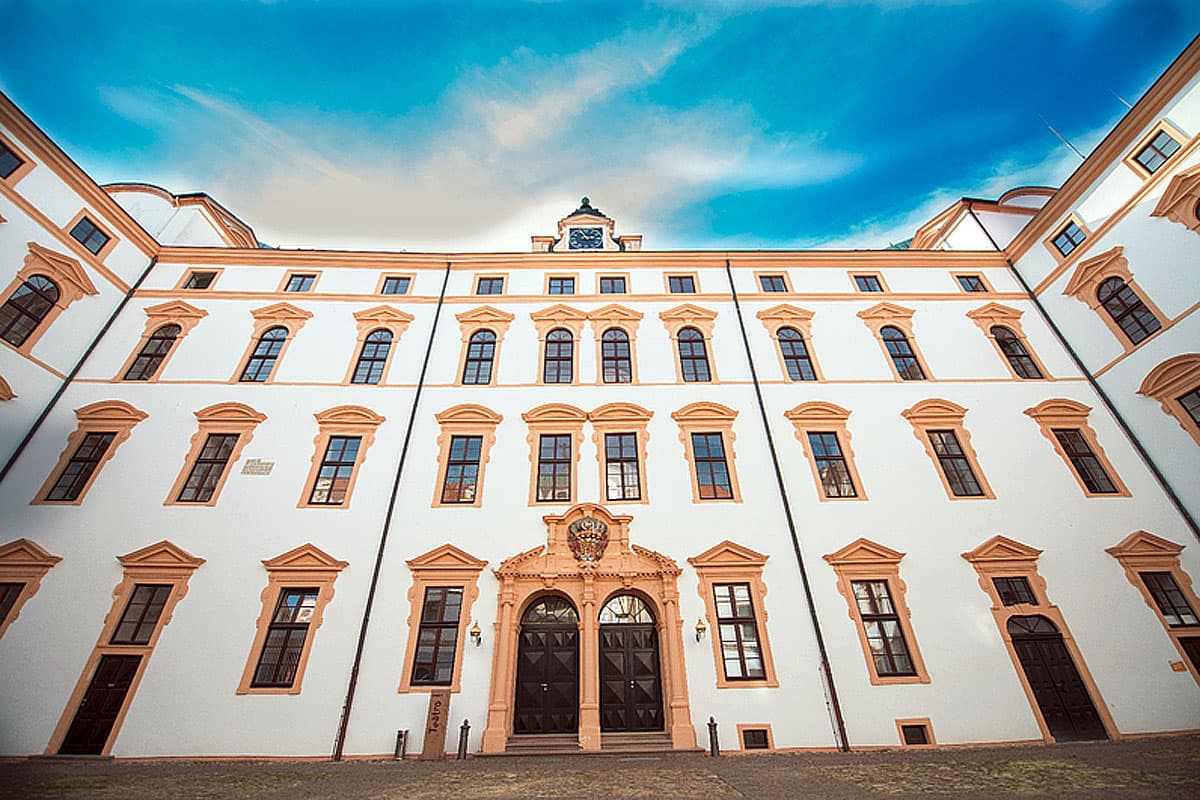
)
(100, 705)
(1060, 692)
(630, 689)
(547, 698)
(1191, 646)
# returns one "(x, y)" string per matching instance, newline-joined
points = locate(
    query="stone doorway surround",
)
(588, 563)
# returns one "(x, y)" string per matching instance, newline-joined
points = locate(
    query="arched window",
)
(560, 357)
(902, 354)
(693, 358)
(795, 355)
(615, 360)
(1014, 350)
(481, 350)
(266, 352)
(153, 352)
(626, 609)
(1127, 309)
(373, 357)
(27, 307)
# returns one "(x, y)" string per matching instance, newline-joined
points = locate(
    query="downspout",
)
(1104, 398)
(37, 424)
(830, 687)
(340, 743)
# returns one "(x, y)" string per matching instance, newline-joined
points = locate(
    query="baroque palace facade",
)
(275, 502)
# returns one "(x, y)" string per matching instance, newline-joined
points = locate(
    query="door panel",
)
(547, 692)
(1060, 692)
(630, 689)
(100, 705)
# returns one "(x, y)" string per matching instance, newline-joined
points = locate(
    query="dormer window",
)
(586, 239)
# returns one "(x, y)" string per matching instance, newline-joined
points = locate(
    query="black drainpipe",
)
(37, 424)
(1112, 409)
(840, 724)
(340, 743)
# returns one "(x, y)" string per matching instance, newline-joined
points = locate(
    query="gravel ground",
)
(1146, 768)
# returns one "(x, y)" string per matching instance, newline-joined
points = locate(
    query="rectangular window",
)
(621, 466)
(300, 283)
(772, 283)
(1191, 404)
(8, 165)
(955, 464)
(141, 615)
(889, 651)
(1155, 154)
(1014, 590)
(285, 638)
(914, 734)
(712, 473)
(79, 469)
(971, 283)
(438, 636)
(199, 280)
(1069, 238)
(755, 739)
(462, 469)
(554, 467)
(681, 284)
(333, 477)
(740, 650)
(9, 592)
(490, 286)
(561, 286)
(1169, 599)
(1086, 465)
(395, 285)
(868, 283)
(209, 467)
(612, 286)
(87, 234)
(831, 465)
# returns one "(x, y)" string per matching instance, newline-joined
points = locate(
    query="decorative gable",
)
(26, 554)
(1141, 544)
(175, 310)
(1181, 201)
(619, 413)
(864, 551)
(446, 557)
(614, 314)
(113, 412)
(230, 413)
(1089, 274)
(468, 414)
(305, 558)
(704, 412)
(778, 316)
(161, 555)
(817, 412)
(555, 414)
(282, 314)
(995, 314)
(886, 312)
(65, 271)
(383, 316)
(1002, 549)
(935, 411)
(349, 416)
(728, 554)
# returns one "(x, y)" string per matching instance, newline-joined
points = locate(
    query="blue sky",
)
(470, 126)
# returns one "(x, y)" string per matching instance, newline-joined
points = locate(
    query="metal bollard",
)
(401, 744)
(463, 732)
(714, 749)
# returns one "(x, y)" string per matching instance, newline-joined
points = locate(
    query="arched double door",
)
(1060, 692)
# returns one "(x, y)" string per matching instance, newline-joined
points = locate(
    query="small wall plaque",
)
(1178, 666)
(257, 466)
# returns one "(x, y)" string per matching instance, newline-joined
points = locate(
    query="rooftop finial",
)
(586, 202)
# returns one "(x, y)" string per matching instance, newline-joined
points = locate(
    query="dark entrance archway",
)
(547, 695)
(1061, 694)
(630, 687)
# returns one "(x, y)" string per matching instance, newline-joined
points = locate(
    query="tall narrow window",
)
(831, 465)
(1157, 151)
(462, 469)
(1084, 461)
(79, 469)
(1014, 350)
(285, 638)
(712, 471)
(141, 614)
(266, 352)
(208, 468)
(621, 469)
(885, 638)
(1169, 598)
(954, 464)
(9, 592)
(1069, 238)
(559, 357)
(333, 476)
(1127, 309)
(693, 358)
(152, 353)
(795, 355)
(437, 639)
(615, 360)
(738, 629)
(903, 357)
(373, 357)
(27, 307)
(481, 350)
(554, 468)
(89, 235)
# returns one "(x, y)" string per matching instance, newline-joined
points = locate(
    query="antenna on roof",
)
(1122, 99)
(1063, 138)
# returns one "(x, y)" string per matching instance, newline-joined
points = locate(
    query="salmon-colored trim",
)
(551, 419)
(233, 418)
(1059, 412)
(729, 562)
(1162, 126)
(707, 417)
(93, 218)
(621, 418)
(368, 321)
(6, 392)
(1171, 379)
(1162, 331)
(700, 319)
(1180, 202)
(27, 163)
(885, 314)
(799, 319)
(938, 414)
(175, 312)
(821, 417)
(479, 319)
(742, 727)
(443, 566)
(315, 274)
(26, 562)
(467, 419)
(233, 231)
(283, 315)
(1140, 552)
(1085, 283)
(160, 563)
(106, 416)
(864, 560)
(924, 722)
(304, 567)
(993, 314)
(187, 273)
(340, 421)
(606, 318)
(1001, 557)
(70, 278)
(553, 318)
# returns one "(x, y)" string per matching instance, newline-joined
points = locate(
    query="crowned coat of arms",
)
(587, 537)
